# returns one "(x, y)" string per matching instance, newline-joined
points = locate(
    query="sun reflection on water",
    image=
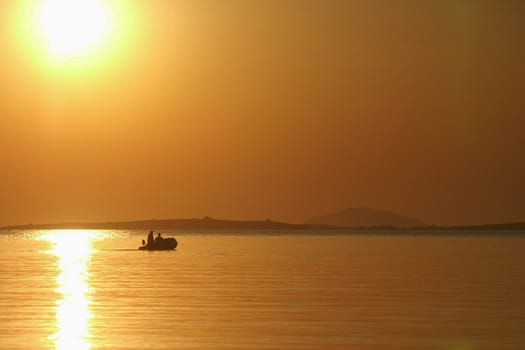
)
(73, 248)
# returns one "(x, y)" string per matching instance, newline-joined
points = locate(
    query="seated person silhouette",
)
(150, 238)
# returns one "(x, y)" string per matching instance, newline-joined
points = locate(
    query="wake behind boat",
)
(159, 243)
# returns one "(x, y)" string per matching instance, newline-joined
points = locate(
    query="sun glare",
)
(73, 27)
(73, 250)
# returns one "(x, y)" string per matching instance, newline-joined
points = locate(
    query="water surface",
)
(94, 290)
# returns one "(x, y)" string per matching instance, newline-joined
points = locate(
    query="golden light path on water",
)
(73, 248)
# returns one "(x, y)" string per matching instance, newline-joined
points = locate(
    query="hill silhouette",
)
(365, 217)
(355, 218)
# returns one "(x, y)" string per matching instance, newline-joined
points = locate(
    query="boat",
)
(163, 244)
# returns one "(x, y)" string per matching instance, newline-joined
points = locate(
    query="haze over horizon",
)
(269, 109)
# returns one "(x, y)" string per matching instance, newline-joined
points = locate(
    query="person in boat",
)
(159, 238)
(150, 238)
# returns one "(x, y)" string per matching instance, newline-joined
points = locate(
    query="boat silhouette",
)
(162, 244)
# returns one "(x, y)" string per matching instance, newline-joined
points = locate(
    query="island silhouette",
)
(352, 218)
(365, 217)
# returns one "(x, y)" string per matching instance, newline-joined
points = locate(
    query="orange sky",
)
(270, 109)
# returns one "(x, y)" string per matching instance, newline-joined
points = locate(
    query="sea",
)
(80, 290)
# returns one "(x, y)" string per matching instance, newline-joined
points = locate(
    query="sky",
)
(281, 109)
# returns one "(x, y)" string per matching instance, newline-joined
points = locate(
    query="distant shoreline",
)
(211, 224)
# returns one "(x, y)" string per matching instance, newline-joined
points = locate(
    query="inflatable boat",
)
(163, 244)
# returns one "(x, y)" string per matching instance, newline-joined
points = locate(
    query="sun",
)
(73, 27)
